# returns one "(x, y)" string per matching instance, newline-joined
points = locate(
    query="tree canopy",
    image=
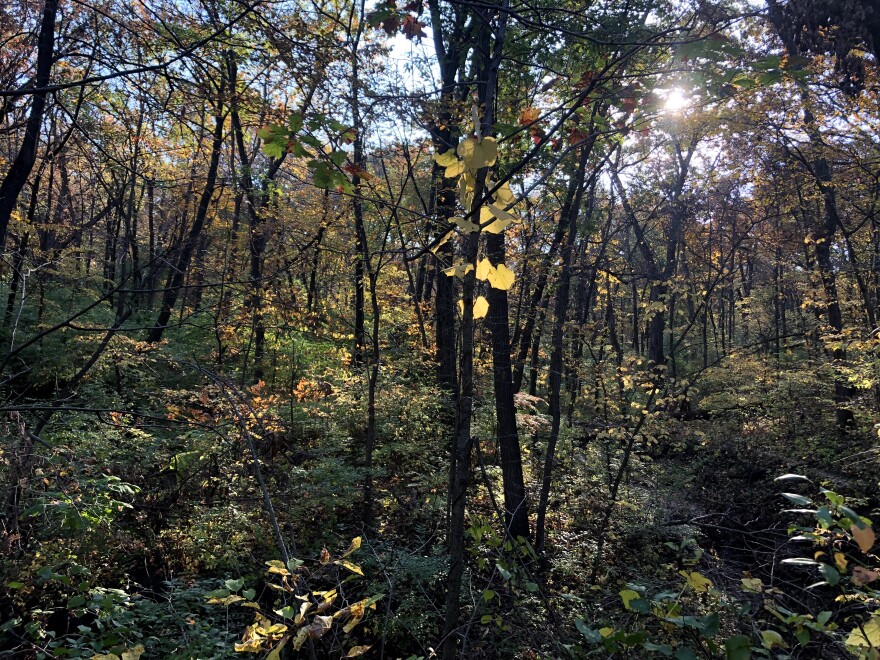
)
(448, 328)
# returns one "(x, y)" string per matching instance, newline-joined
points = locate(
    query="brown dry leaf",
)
(865, 537)
(862, 575)
(529, 116)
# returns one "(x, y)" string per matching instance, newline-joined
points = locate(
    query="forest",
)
(439, 329)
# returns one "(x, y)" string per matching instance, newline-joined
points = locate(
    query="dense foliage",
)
(442, 329)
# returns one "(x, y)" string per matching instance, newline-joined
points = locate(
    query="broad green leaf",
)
(234, 585)
(799, 500)
(738, 647)
(832, 577)
(771, 638)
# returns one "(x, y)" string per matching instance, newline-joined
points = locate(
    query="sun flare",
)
(676, 100)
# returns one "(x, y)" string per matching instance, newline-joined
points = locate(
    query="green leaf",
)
(852, 515)
(799, 500)
(488, 595)
(76, 601)
(295, 122)
(771, 638)
(832, 577)
(249, 594)
(217, 593)
(15, 585)
(234, 585)
(338, 157)
(486, 618)
(738, 647)
(684, 653)
(286, 612)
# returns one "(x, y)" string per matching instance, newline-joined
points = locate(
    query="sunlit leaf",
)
(484, 267)
(481, 307)
(446, 159)
(354, 568)
(501, 278)
(864, 536)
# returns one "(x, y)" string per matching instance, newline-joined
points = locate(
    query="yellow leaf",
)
(454, 170)
(752, 584)
(501, 214)
(355, 651)
(481, 307)
(229, 600)
(354, 547)
(446, 159)
(105, 656)
(354, 568)
(442, 242)
(606, 632)
(504, 196)
(458, 271)
(870, 636)
(351, 625)
(249, 647)
(865, 537)
(628, 595)
(277, 566)
(465, 225)
(302, 613)
(301, 636)
(484, 267)
(275, 654)
(466, 189)
(696, 581)
(133, 653)
(840, 560)
(497, 227)
(478, 153)
(502, 278)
